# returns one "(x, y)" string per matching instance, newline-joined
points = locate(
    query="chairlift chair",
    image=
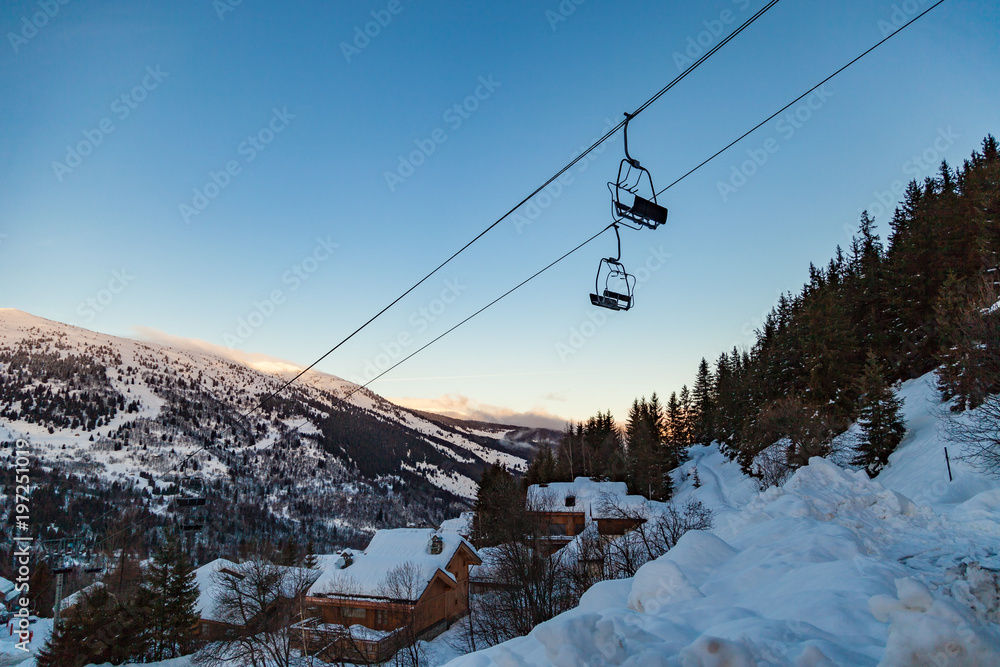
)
(636, 183)
(615, 275)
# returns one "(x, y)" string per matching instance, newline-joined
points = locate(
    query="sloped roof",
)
(8, 591)
(208, 587)
(388, 550)
(587, 497)
(210, 584)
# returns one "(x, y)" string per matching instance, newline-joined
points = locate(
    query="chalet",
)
(409, 583)
(567, 508)
(8, 594)
(213, 622)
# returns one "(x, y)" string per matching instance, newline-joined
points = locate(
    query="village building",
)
(409, 583)
(8, 594)
(213, 579)
(567, 508)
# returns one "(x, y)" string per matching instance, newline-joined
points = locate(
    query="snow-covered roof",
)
(8, 591)
(77, 597)
(210, 584)
(208, 587)
(583, 495)
(388, 550)
(461, 524)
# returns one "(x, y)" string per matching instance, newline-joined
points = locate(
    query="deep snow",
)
(832, 568)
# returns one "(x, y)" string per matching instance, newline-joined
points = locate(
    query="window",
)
(353, 612)
(381, 618)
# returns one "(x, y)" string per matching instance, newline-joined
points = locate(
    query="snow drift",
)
(832, 568)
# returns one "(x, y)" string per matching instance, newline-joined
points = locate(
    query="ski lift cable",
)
(680, 77)
(688, 173)
(799, 98)
(578, 247)
(610, 133)
(598, 143)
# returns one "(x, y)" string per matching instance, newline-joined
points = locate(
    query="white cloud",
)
(261, 362)
(463, 407)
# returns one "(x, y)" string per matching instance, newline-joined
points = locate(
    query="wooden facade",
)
(443, 600)
(617, 527)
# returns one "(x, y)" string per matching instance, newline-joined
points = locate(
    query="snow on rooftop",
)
(584, 495)
(210, 579)
(388, 550)
(209, 586)
(461, 524)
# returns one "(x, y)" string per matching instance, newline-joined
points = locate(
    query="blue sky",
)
(218, 171)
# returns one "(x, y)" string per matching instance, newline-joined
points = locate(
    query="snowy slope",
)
(832, 568)
(133, 367)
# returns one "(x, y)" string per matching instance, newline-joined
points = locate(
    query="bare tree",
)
(530, 582)
(257, 601)
(978, 431)
(657, 528)
(404, 584)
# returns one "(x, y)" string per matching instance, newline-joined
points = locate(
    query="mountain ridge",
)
(118, 411)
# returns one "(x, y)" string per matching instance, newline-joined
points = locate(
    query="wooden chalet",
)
(213, 623)
(567, 508)
(407, 584)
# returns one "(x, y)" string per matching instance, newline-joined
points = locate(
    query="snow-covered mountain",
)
(831, 568)
(125, 412)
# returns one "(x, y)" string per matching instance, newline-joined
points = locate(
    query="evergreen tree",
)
(499, 497)
(686, 427)
(173, 595)
(880, 420)
(310, 561)
(542, 468)
(703, 404)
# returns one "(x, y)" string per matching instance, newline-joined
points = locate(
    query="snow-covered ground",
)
(830, 569)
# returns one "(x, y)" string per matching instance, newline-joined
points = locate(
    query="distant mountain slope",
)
(116, 410)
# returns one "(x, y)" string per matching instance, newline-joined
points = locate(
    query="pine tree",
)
(173, 594)
(499, 498)
(686, 428)
(703, 404)
(542, 468)
(880, 420)
(310, 560)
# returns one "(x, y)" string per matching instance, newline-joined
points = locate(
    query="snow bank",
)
(832, 568)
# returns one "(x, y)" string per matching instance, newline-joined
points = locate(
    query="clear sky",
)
(267, 176)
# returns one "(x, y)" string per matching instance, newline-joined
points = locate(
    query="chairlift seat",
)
(190, 502)
(644, 212)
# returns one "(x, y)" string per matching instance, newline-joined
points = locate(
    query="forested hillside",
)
(875, 313)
